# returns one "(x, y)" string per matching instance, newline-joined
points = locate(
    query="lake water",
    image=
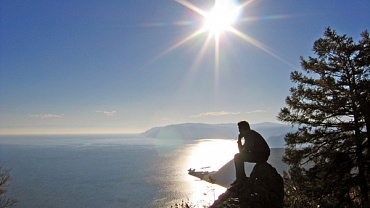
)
(110, 170)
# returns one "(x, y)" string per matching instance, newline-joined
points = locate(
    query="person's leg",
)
(242, 157)
(257, 157)
(239, 159)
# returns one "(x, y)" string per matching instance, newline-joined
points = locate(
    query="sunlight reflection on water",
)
(211, 154)
(207, 155)
(129, 170)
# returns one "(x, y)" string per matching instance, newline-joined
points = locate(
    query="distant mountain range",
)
(273, 132)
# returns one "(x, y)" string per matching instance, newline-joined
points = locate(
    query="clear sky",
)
(128, 65)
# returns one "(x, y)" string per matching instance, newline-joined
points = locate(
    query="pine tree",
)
(329, 154)
(4, 179)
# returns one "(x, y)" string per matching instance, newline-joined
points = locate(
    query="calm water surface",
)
(110, 170)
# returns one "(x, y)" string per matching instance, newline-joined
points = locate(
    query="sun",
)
(221, 17)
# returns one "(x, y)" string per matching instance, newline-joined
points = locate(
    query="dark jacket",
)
(254, 143)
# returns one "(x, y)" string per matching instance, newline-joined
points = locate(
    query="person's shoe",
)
(232, 189)
(234, 183)
(237, 183)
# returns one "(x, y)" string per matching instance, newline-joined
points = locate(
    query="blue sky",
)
(112, 66)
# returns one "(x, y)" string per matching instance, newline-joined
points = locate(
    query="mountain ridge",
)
(272, 132)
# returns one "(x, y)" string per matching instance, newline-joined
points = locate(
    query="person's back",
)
(256, 145)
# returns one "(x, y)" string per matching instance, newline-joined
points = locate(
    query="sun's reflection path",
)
(212, 154)
(208, 155)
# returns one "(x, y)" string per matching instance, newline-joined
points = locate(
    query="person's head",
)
(243, 126)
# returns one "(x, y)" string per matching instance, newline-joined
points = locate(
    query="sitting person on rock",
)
(254, 150)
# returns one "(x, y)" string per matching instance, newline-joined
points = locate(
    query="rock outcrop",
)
(264, 188)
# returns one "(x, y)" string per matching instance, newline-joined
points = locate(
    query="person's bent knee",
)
(237, 156)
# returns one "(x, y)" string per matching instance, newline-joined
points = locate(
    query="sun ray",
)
(197, 62)
(225, 14)
(201, 53)
(192, 7)
(217, 57)
(259, 45)
(182, 42)
(217, 63)
(266, 17)
(187, 82)
(246, 3)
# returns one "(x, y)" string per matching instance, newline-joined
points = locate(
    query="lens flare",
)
(221, 18)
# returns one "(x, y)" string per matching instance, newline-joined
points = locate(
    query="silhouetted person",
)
(254, 150)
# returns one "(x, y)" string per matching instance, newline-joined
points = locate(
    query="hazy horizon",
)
(106, 132)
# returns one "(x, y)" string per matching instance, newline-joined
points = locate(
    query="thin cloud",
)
(108, 113)
(46, 115)
(257, 111)
(219, 113)
(225, 113)
(165, 119)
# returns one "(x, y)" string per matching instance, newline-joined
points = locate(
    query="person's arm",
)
(240, 146)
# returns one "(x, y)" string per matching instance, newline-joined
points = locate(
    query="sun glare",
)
(221, 18)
